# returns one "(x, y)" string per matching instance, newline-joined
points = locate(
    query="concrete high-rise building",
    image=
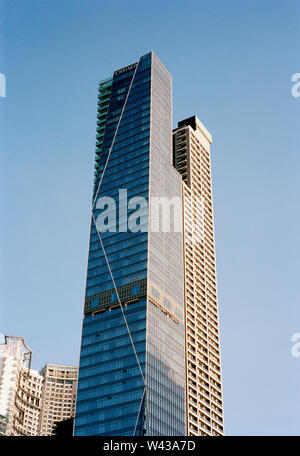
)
(58, 395)
(191, 157)
(20, 389)
(31, 403)
(141, 370)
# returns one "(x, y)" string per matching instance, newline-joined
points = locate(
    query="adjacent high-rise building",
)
(191, 157)
(20, 389)
(58, 396)
(31, 403)
(150, 356)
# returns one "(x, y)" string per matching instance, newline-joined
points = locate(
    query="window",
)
(136, 289)
(167, 303)
(155, 293)
(94, 302)
(114, 297)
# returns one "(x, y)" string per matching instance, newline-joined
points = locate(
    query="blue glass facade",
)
(165, 368)
(131, 373)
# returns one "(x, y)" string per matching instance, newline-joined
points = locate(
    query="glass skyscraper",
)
(133, 372)
(132, 361)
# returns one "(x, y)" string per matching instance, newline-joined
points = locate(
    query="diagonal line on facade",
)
(104, 252)
(113, 140)
(119, 300)
(139, 412)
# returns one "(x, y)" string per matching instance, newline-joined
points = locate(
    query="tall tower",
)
(132, 361)
(191, 158)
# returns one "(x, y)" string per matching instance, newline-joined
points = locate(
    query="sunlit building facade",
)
(20, 389)
(204, 402)
(58, 396)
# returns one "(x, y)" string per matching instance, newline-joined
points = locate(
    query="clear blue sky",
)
(232, 64)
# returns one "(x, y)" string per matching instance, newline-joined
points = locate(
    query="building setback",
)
(150, 357)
